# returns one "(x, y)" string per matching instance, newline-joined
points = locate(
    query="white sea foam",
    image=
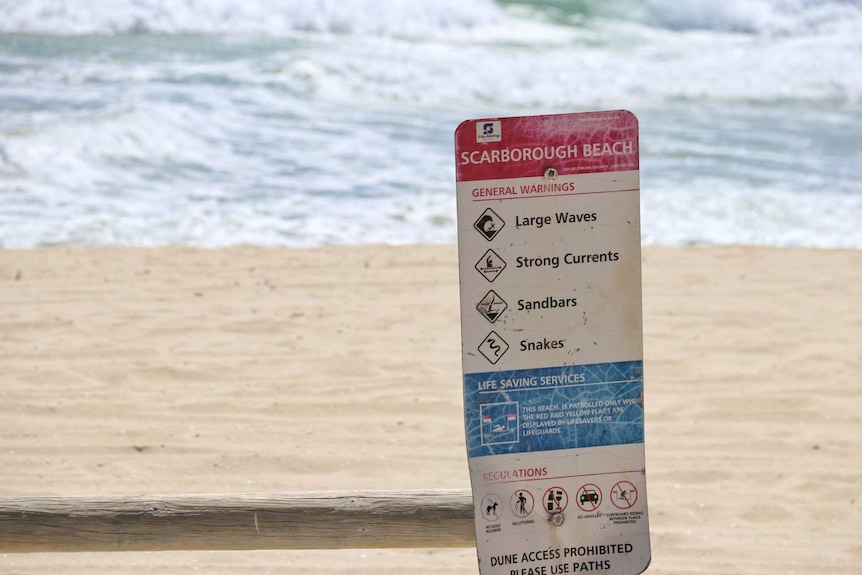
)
(409, 18)
(766, 17)
(390, 17)
(309, 123)
(754, 16)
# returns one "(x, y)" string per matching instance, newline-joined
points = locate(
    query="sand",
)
(181, 370)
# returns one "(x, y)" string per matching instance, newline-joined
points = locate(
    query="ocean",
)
(326, 122)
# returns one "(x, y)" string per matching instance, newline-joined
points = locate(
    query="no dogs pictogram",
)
(489, 224)
(491, 507)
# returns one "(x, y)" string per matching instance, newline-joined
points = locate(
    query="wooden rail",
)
(312, 520)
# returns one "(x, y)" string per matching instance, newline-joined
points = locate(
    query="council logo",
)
(489, 131)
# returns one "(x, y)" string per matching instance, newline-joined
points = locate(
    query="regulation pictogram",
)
(522, 503)
(489, 224)
(491, 507)
(624, 495)
(490, 265)
(555, 500)
(589, 497)
(493, 347)
(491, 306)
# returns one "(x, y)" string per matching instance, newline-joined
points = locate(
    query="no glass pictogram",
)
(624, 495)
(491, 306)
(555, 500)
(490, 265)
(493, 347)
(489, 224)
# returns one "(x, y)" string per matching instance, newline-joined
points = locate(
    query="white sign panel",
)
(552, 342)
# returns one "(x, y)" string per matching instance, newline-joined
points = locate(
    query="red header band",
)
(501, 148)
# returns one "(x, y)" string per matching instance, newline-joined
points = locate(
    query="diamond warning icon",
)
(489, 224)
(492, 306)
(493, 347)
(490, 265)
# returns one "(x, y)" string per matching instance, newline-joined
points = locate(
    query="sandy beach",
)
(184, 370)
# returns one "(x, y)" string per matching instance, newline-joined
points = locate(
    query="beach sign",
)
(552, 342)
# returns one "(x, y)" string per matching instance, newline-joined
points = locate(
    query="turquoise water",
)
(303, 123)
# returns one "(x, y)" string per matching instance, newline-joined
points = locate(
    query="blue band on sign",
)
(552, 408)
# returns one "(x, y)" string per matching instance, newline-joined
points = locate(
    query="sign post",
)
(552, 342)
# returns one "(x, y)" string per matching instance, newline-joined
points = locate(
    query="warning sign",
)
(489, 224)
(492, 306)
(490, 265)
(549, 214)
(493, 347)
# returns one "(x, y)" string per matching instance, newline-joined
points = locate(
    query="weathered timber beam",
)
(311, 520)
